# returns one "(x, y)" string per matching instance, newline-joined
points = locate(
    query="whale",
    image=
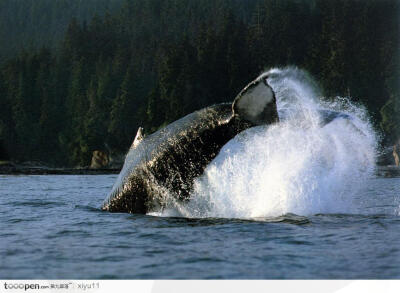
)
(162, 166)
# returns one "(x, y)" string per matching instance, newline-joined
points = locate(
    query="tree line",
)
(153, 61)
(31, 24)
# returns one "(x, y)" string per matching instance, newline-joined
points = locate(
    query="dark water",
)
(51, 227)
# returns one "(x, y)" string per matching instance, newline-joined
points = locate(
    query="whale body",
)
(166, 163)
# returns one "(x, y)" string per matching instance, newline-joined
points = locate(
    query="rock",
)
(396, 154)
(387, 171)
(385, 156)
(99, 160)
(116, 160)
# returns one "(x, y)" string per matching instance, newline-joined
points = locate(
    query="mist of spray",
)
(298, 165)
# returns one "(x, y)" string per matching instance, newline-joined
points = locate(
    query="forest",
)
(78, 76)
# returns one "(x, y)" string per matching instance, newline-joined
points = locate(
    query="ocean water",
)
(51, 227)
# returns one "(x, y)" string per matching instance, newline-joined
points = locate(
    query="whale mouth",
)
(256, 103)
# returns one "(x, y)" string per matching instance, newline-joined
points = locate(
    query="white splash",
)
(295, 166)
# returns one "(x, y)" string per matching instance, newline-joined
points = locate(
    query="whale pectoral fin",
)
(256, 103)
(138, 138)
(327, 116)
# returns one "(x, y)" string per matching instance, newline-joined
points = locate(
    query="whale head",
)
(256, 103)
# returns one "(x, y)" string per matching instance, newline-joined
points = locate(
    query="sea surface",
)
(51, 227)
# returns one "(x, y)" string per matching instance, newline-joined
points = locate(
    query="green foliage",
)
(390, 118)
(126, 111)
(112, 66)
(31, 24)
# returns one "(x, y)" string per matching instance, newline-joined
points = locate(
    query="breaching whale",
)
(165, 163)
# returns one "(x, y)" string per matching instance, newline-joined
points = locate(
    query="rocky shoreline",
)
(388, 171)
(9, 168)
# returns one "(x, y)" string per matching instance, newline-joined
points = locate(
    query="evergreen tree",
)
(390, 118)
(126, 110)
(5, 121)
(154, 61)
